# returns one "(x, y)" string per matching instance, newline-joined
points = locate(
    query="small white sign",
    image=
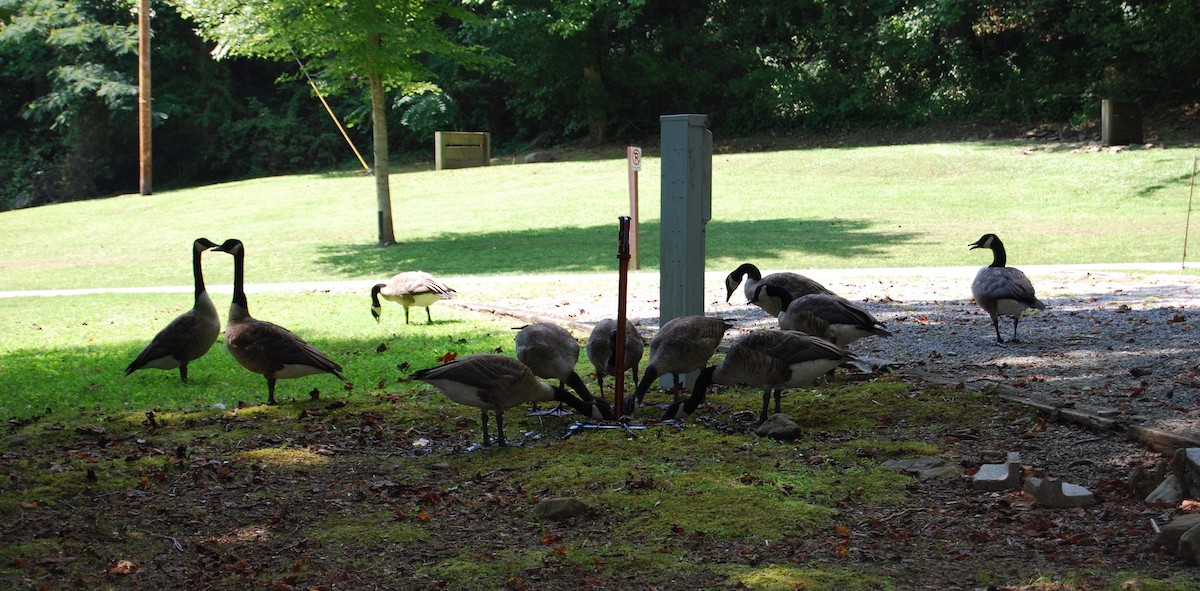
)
(635, 158)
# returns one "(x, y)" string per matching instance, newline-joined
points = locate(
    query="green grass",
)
(68, 353)
(893, 206)
(661, 495)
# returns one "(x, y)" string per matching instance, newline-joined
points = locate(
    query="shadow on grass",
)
(593, 248)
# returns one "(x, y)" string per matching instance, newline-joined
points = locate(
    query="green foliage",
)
(427, 113)
(558, 69)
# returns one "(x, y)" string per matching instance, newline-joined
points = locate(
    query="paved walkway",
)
(711, 277)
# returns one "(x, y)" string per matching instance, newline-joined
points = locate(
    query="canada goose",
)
(1001, 290)
(191, 334)
(830, 317)
(262, 347)
(551, 353)
(498, 383)
(602, 350)
(411, 288)
(769, 359)
(794, 283)
(682, 345)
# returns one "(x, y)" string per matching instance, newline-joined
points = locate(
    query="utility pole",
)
(145, 167)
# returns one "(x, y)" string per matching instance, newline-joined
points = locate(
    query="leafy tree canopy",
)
(345, 41)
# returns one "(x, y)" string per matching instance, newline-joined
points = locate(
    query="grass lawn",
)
(893, 206)
(107, 479)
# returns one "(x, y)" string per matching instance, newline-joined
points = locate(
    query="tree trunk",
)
(595, 96)
(383, 194)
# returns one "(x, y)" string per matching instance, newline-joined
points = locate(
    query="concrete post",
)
(686, 194)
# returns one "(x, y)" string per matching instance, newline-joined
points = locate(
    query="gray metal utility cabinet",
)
(461, 149)
(686, 193)
(1120, 123)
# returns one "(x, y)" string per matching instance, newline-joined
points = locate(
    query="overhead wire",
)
(329, 110)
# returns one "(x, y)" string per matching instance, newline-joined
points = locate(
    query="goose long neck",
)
(239, 309)
(579, 405)
(999, 256)
(774, 291)
(375, 293)
(197, 272)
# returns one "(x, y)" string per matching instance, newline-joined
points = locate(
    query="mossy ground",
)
(388, 488)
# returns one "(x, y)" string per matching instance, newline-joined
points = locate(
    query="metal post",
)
(686, 208)
(623, 242)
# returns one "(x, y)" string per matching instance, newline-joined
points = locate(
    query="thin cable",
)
(330, 111)
(1188, 224)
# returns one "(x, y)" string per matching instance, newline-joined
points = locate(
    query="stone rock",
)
(541, 156)
(560, 508)
(997, 477)
(1169, 492)
(779, 426)
(1143, 479)
(1189, 459)
(932, 468)
(1189, 546)
(1169, 536)
(1052, 492)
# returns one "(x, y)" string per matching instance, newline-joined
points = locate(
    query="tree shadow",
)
(594, 248)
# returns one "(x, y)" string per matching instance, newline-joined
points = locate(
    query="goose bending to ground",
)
(411, 288)
(189, 336)
(773, 360)
(551, 353)
(682, 345)
(602, 350)
(830, 317)
(498, 383)
(1001, 290)
(262, 347)
(794, 283)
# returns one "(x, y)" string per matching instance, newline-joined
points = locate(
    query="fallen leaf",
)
(448, 357)
(123, 567)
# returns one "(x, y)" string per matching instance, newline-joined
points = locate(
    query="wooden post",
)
(145, 162)
(623, 242)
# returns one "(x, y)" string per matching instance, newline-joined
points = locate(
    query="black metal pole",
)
(622, 287)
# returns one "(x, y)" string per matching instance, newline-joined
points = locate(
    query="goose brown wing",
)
(267, 348)
(1008, 283)
(835, 310)
(480, 371)
(796, 284)
(796, 347)
(416, 283)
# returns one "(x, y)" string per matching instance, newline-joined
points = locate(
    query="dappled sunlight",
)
(285, 457)
(250, 533)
